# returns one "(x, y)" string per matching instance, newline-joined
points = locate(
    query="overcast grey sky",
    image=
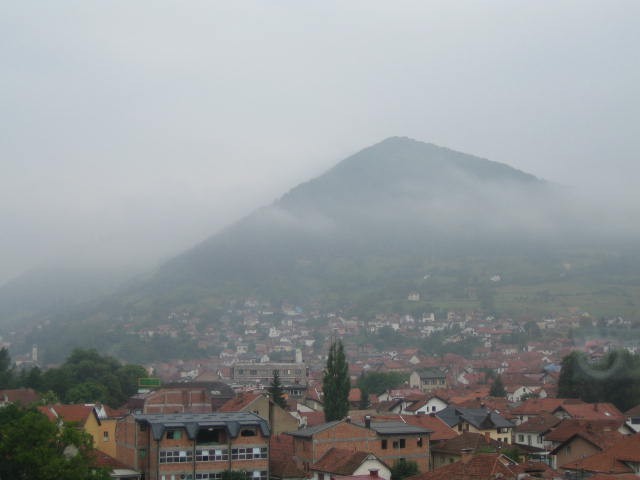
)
(131, 130)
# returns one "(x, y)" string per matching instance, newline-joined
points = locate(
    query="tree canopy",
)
(276, 392)
(497, 388)
(336, 384)
(615, 378)
(31, 446)
(379, 382)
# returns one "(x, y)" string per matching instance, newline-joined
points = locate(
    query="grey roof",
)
(398, 428)
(192, 422)
(481, 418)
(381, 428)
(432, 373)
(310, 431)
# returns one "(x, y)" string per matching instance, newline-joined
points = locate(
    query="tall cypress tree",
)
(276, 392)
(497, 388)
(336, 384)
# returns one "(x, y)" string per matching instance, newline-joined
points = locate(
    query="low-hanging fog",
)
(131, 131)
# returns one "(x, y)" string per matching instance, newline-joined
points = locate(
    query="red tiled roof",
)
(68, 413)
(355, 395)
(592, 411)
(340, 461)
(602, 436)
(240, 402)
(479, 467)
(101, 459)
(21, 396)
(439, 429)
(612, 459)
(313, 418)
(539, 424)
(536, 406)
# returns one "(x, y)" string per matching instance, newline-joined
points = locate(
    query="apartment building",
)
(194, 446)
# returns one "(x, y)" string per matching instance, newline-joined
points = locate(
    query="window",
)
(419, 441)
(174, 434)
(248, 432)
(433, 408)
(249, 453)
(520, 437)
(176, 456)
(258, 475)
(142, 452)
(384, 444)
(105, 436)
(143, 427)
(399, 443)
(211, 455)
(209, 476)
(209, 435)
(253, 372)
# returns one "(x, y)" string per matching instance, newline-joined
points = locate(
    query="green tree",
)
(234, 475)
(87, 376)
(365, 402)
(276, 392)
(336, 384)
(31, 446)
(497, 388)
(6, 371)
(615, 378)
(379, 382)
(403, 469)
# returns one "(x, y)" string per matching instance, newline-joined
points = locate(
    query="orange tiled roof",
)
(479, 467)
(240, 402)
(612, 459)
(340, 461)
(592, 411)
(440, 430)
(75, 413)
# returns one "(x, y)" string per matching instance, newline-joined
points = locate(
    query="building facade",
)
(194, 446)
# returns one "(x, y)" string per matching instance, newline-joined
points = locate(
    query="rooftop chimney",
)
(466, 454)
(348, 419)
(367, 421)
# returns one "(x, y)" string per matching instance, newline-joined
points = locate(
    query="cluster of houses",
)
(200, 430)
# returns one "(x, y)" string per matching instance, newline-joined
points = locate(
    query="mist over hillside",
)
(400, 216)
(399, 197)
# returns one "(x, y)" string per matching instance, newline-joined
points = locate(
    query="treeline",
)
(614, 378)
(86, 376)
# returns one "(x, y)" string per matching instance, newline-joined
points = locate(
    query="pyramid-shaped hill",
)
(367, 219)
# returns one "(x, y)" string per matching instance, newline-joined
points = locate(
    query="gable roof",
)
(488, 466)
(591, 411)
(75, 413)
(240, 403)
(467, 440)
(439, 429)
(21, 396)
(339, 461)
(539, 424)
(599, 433)
(480, 418)
(537, 406)
(612, 459)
